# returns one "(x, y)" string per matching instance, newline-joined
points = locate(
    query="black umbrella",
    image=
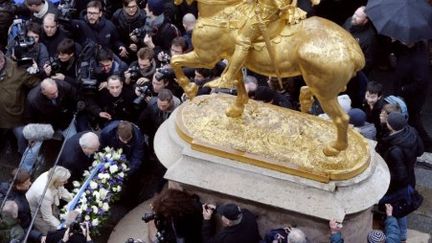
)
(408, 21)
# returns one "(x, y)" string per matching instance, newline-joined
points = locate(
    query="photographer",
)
(78, 233)
(94, 27)
(26, 48)
(157, 32)
(127, 19)
(107, 66)
(146, 91)
(65, 65)
(177, 217)
(239, 224)
(142, 70)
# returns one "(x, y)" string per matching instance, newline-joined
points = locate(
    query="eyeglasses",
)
(93, 13)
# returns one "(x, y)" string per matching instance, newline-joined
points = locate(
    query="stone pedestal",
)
(277, 198)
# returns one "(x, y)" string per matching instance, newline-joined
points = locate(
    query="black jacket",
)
(245, 232)
(134, 150)
(73, 157)
(51, 42)
(401, 154)
(103, 33)
(120, 108)
(126, 25)
(58, 113)
(24, 213)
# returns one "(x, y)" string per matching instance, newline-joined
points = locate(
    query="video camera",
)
(23, 46)
(66, 10)
(87, 66)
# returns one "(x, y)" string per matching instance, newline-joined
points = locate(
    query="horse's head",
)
(178, 2)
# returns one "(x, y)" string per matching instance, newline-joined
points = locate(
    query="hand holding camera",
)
(208, 210)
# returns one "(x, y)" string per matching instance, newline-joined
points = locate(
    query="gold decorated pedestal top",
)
(270, 137)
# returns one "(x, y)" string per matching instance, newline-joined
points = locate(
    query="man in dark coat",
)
(77, 154)
(52, 34)
(239, 225)
(127, 19)
(364, 32)
(113, 103)
(98, 29)
(20, 186)
(404, 146)
(53, 102)
(127, 136)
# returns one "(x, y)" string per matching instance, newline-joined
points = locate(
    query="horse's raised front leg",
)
(190, 59)
(236, 109)
(340, 119)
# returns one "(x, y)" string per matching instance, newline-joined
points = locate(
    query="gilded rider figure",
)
(266, 12)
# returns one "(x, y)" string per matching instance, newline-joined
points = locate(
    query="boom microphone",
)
(38, 132)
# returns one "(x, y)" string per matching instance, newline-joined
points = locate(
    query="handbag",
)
(404, 201)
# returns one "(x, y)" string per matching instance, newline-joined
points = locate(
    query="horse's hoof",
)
(220, 83)
(330, 151)
(191, 90)
(234, 111)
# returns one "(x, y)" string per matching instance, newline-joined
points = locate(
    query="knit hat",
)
(229, 211)
(156, 6)
(376, 236)
(357, 117)
(397, 121)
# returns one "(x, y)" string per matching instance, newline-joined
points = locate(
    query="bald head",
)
(49, 88)
(50, 24)
(359, 17)
(296, 236)
(189, 21)
(89, 143)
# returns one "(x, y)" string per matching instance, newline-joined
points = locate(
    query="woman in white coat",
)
(46, 220)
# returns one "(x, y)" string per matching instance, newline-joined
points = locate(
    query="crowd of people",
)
(98, 72)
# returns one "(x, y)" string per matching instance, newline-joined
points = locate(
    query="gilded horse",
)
(321, 51)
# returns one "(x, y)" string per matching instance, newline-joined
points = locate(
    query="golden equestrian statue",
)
(270, 37)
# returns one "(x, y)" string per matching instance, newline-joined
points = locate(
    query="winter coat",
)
(401, 154)
(13, 84)
(45, 219)
(134, 150)
(56, 112)
(51, 42)
(246, 231)
(103, 33)
(24, 214)
(391, 231)
(125, 25)
(74, 159)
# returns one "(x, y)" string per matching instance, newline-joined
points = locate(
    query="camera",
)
(164, 58)
(75, 228)
(23, 46)
(142, 31)
(135, 72)
(88, 83)
(164, 228)
(55, 64)
(165, 74)
(138, 102)
(66, 10)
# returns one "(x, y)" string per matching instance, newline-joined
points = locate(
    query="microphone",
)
(38, 132)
